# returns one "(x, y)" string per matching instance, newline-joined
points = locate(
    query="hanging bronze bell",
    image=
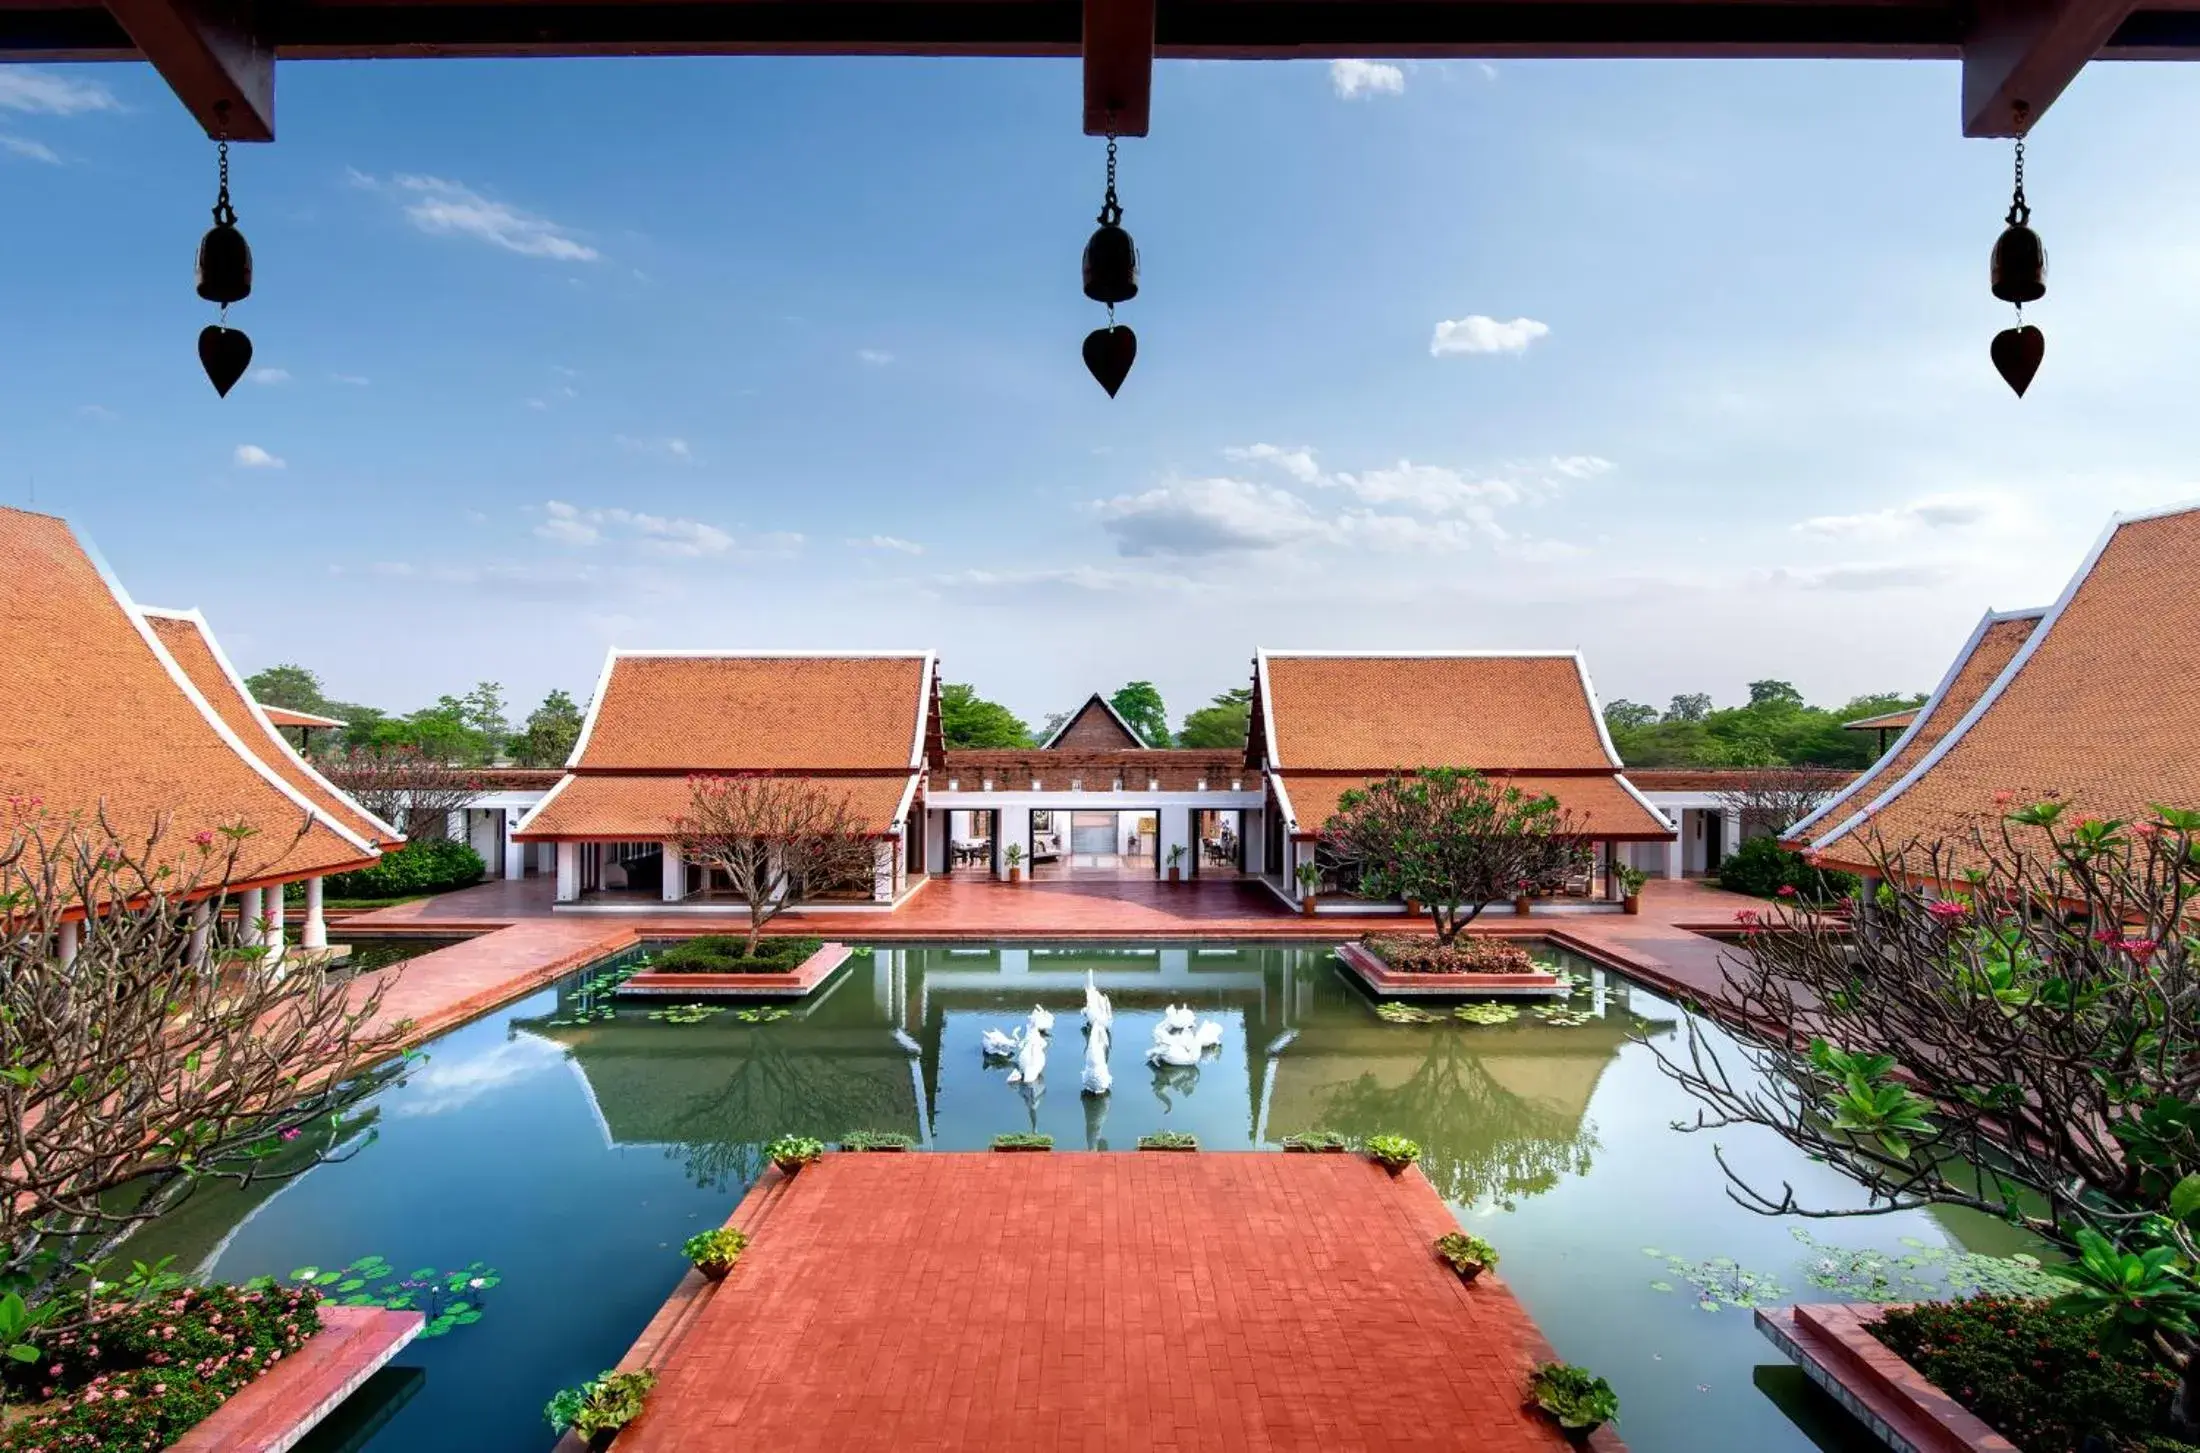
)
(2020, 265)
(225, 265)
(1111, 266)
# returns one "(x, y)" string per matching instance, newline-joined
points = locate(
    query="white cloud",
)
(876, 357)
(1862, 577)
(1298, 463)
(888, 542)
(1933, 512)
(1476, 333)
(1207, 517)
(446, 1085)
(447, 208)
(271, 375)
(30, 150)
(565, 523)
(1355, 78)
(252, 456)
(666, 448)
(569, 524)
(50, 93)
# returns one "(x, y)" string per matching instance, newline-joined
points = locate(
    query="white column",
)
(676, 873)
(882, 869)
(937, 849)
(454, 825)
(515, 854)
(1253, 832)
(1015, 832)
(1730, 839)
(316, 929)
(1173, 829)
(1675, 849)
(202, 918)
(68, 936)
(569, 872)
(248, 916)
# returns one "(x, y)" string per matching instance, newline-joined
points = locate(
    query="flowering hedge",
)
(149, 1371)
(1464, 956)
(2040, 1378)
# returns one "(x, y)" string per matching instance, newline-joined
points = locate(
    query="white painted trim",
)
(519, 829)
(926, 685)
(235, 743)
(1043, 801)
(895, 824)
(228, 669)
(1105, 705)
(1596, 714)
(595, 707)
(1283, 803)
(1267, 709)
(313, 720)
(2009, 673)
(1634, 792)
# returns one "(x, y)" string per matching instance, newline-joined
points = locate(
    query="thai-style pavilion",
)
(135, 718)
(2088, 701)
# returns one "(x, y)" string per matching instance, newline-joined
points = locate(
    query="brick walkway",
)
(1113, 1301)
(441, 990)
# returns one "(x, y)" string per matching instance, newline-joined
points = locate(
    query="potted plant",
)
(1468, 1254)
(1630, 888)
(1176, 860)
(1392, 1152)
(1169, 1140)
(1014, 856)
(1576, 1399)
(598, 1408)
(876, 1140)
(714, 1252)
(1310, 881)
(1523, 897)
(1315, 1142)
(792, 1152)
(1023, 1140)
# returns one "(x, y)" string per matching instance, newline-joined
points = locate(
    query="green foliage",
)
(1761, 868)
(2040, 1379)
(289, 685)
(19, 1323)
(434, 865)
(792, 1152)
(2131, 1293)
(1316, 1140)
(762, 1014)
(969, 721)
(1921, 1274)
(1463, 1249)
(1862, 1098)
(602, 1404)
(722, 953)
(1390, 1011)
(1776, 728)
(1393, 1152)
(686, 1013)
(715, 1251)
(1220, 725)
(877, 1140)
(447, 1299)
(1576, 1398)
(148, 1372)
(552, 729)
(1023, 1140)
(1486, 1012)
(1169, 1140)
(1719, 1282)
(1420, 955)
(1139, 704)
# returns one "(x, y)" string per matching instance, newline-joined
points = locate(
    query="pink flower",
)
(2108, 936)
(203, 839)
(291, 1133)
(2003, 799)
(2141, 949)
(1787, 890)
(1948, 910)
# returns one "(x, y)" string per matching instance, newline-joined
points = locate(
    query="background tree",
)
(1770, 800)
(777, 840)
(404, 786)
(153, 1062)
(1221, 723)
(289, 685)
(968, 720)
(1693, 706)
(552, 729)
(1625, 715)
(1452, 840)
(1139, 704)
(1775, 729)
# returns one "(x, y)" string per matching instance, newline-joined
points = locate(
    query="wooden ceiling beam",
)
(2020, 55)
(213, 56)
(1118, 47)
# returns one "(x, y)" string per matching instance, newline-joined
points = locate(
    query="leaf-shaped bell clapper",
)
(225, 260)
(2020, 264)
(1111, 260)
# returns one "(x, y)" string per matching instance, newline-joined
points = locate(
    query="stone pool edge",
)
(280, 1406)
(1898, 1404)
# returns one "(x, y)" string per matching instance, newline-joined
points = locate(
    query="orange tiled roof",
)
(1601, 805)
(93, 716)
(641, 808)
(1703, 779)
(1994, 641)
(1373, 713)
(2099, 708)
(1885, 721)
(721, 712)
(188, 642)
(283, 716)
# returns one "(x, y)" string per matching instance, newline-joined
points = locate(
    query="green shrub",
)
(1393, 1152)
(436, 865)
(720, 953)
(602, 1404)
(1463, 956)
(1169, 1140)
(1574, 1396)
(1315, 1140)
(2041, 1378)
(1761, 867)
(792, 1152)
(715, 1251)
(1022, 1140)
(1463, 1249)
(877, 1140)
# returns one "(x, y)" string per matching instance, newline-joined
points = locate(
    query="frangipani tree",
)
(1453, 840)
(776, 839)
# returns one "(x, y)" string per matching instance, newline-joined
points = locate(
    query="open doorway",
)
(1092, 844)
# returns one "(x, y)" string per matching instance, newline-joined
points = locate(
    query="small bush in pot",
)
(1021, 1140)
(1392, 1152)
(1468, 1254)
(1630, 887)
(792, 1152)
(1169, 1140)
(1576, 1399)
(876, 1140)
(1315, 1141)
(714, 1252)
(601, 1406)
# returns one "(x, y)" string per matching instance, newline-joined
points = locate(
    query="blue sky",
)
(1681, 364)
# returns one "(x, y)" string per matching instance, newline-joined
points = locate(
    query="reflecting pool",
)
(574, 1153)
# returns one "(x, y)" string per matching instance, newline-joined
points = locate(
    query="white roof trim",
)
(1266, 652)
(1596, 714)
(525, 824)
(1067, 721)
(588, 722)
(2008, 674)
(228, 669)
(715, 653)
(1283, 800)
(1648, 806)
(925, 686)
(1267, 706)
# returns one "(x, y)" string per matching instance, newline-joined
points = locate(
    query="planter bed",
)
(1381, 979)
(1834, 1346)
(796, 983)
(283, 1404)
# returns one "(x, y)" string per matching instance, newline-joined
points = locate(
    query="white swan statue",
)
(1031, 1060)
(1042, 1022)
(1178, 1018)
(1099, 1013)
(1209, 1034)
(995, 1045)
(1173, 1049)
(1098, 1079)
